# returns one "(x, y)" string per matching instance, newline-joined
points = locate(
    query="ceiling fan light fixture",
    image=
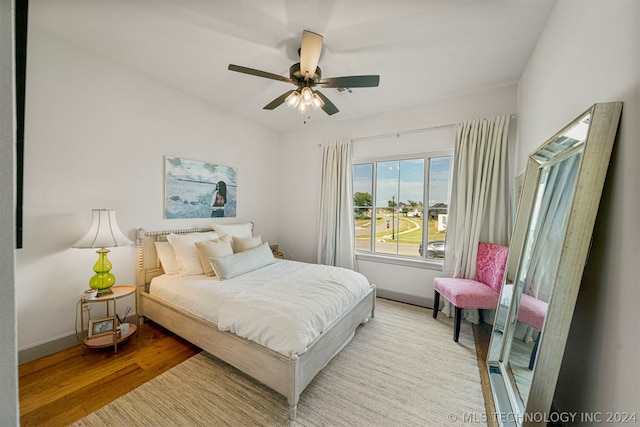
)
(316, 102)
(304, 100)
(307, 94)
(303, 107)
(293, 99)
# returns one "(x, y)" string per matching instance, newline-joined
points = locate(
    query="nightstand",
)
(276, 252)
(106, 331)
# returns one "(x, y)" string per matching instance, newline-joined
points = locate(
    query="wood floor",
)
(482, 336)
(64, 387)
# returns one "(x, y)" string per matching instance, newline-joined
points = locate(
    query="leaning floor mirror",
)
(555, 217)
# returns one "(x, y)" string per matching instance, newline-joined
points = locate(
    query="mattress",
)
(284, 306)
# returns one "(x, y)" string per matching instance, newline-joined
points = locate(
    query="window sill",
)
(406, 262)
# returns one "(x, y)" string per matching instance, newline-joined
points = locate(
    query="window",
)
(389, 209)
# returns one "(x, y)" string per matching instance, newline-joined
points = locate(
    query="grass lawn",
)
(407, 230)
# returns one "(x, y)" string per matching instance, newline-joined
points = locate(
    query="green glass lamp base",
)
(103, 279)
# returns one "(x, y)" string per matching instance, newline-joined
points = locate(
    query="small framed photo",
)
(102, 326)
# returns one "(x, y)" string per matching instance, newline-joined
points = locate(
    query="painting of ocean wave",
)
(195, 189)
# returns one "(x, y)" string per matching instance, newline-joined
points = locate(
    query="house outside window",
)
(391, 216)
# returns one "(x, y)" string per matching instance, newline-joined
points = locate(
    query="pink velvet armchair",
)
(481, 293)
(532, 312)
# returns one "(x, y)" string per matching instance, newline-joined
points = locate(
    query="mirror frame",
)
(597, 147)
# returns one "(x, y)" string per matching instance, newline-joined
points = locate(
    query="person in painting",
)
(219, 199)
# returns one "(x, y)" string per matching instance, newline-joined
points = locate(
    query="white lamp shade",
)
(103, 231)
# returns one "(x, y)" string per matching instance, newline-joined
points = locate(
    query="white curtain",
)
(549, 222)
(479, 208)
(335, 230)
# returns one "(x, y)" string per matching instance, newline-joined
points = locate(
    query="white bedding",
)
(284, 306)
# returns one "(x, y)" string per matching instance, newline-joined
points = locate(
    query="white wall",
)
(589, 52)
(96, 136)
(301, 159)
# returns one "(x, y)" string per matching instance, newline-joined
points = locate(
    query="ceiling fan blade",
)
(350, 81)
(310, 50)
(259, 73)
(328, 106)
(278, 101)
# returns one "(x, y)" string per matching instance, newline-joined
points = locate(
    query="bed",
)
(287, 369)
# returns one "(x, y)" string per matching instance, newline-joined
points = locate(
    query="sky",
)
(404, 179)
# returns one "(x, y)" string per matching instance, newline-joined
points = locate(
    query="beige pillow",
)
(167, 257)
(241, 244)
(214, 248)
(233, 265)
(234, 230)
(186, 252)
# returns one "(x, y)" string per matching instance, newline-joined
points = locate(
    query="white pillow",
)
(229, 266)
(234, 230)
(167, 257)
(215, 248)
(186, 251)
(241, 244)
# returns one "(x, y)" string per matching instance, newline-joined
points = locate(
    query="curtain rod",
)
(404, 132)
(407, 132)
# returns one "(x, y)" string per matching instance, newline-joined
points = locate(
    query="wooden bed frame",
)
(288, 376)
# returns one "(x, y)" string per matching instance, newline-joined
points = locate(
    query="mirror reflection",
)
(539, 263)
(533, 267)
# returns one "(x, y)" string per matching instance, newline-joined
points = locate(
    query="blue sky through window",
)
(410, 173)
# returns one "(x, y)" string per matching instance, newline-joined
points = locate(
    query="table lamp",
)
(103, 233)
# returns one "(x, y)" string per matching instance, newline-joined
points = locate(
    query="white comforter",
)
(284, 306)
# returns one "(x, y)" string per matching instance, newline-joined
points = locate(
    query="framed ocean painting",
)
(194, 189)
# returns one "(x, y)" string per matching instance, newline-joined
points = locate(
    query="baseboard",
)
(406, 298)
(54, 346)
(50, 347)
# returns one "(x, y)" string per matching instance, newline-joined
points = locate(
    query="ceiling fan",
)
(305, 75)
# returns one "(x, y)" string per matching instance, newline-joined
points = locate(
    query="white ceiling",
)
(423, 50)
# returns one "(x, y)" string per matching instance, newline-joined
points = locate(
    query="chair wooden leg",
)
(456, 324)
(436, 303)
(532, 360)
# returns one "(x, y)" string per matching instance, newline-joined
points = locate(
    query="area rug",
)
(402, 368)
